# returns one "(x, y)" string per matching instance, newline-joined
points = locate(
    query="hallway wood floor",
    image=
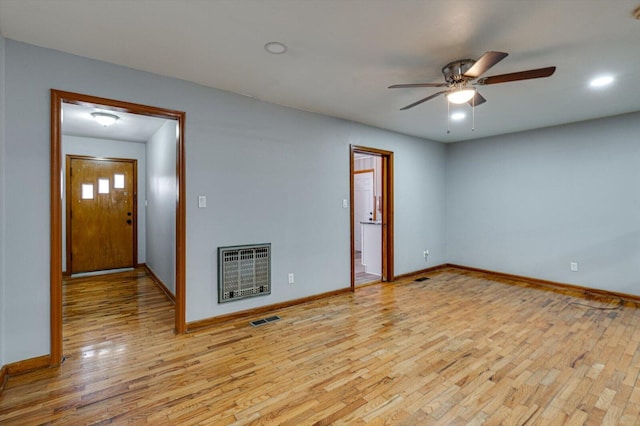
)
(460, 348)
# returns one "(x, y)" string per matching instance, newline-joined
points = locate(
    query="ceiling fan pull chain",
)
(448, 115)
(473, 114)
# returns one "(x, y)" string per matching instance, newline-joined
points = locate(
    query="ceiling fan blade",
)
(477, 99)
(516, 76)
(423, 100)
(404, 86)
(485, 62)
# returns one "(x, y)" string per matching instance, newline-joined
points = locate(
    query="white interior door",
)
(363, 203)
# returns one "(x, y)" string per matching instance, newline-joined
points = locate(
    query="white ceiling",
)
(342, 55)
(77, 121)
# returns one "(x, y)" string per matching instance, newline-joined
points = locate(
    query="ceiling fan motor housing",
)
(453, 72)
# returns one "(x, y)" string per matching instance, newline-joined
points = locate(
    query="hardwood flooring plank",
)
(460, 348)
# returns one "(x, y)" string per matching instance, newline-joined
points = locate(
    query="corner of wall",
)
(160, 211)
(2, 208)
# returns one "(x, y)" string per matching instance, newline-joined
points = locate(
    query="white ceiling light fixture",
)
(105, 119)
(461, 96)
(275, 47)
(457, 116)
(601, 81)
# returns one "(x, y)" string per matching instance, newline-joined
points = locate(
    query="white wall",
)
(270, 174)
(161, 204)
(112, 149)
(531, 203)
(3, 298)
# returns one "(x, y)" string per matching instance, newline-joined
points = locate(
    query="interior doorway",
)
(371, 183)
(58, 98)
(367, 218)
(101, 210)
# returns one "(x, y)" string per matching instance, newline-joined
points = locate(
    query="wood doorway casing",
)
(387, 210)
(56, 174)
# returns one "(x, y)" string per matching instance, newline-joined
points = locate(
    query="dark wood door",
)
(101, 214)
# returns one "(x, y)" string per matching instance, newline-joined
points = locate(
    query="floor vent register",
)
(264, 321)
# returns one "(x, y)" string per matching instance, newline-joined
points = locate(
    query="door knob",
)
(129, 221)
(128, 213)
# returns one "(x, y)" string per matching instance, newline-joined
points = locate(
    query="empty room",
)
(312, 212)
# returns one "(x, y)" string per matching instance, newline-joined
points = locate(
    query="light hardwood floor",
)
(460, 348)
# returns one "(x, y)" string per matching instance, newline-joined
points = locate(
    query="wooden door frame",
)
(387, 210)
(67, 197)
(57, 98)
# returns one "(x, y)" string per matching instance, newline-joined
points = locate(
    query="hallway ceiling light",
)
(105, 119)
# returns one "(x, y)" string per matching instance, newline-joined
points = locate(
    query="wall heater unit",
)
(244, 271)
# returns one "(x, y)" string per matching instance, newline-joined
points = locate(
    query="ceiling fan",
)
(459, 76)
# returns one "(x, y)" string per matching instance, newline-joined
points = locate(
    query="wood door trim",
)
(55, 222)
(387, 209)
(133, 161)
(389, 206)
(364, 171)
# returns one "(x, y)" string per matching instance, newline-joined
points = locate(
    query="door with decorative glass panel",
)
(101, 214)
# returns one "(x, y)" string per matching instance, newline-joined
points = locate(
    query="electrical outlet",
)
(574, 266)
(291, 278)
(426, 254)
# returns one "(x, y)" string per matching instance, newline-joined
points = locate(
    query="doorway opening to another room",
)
(112, 180)
(371, 215)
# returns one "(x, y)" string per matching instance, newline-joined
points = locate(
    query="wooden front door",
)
(101, 214)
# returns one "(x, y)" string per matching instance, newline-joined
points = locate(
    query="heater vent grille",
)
(244, 271)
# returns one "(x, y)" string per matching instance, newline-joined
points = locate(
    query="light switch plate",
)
(202, 201)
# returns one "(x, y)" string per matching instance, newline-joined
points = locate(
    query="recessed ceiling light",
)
(275, 47)
(457, 116)
(601, 81)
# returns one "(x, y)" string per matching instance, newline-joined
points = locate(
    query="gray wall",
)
(531, 203)
(112, 149)
(420, 195)
(527, 203)
(270, 174)
(161, 204)
(3, 297)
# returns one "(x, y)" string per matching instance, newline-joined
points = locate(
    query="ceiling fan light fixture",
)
(105, 119)
(461, 96)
